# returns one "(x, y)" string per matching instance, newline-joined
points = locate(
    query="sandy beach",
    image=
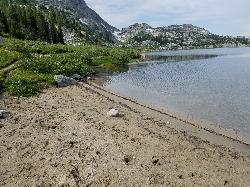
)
(64, 137)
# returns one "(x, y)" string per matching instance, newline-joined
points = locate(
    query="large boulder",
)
(63, 81)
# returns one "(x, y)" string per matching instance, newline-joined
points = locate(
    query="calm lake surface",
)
(211, 86)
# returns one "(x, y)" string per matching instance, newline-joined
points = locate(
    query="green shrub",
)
(29, 47)
(64, 64)
(38, 62)
(8, 57)
(27, 83)
(2, 78)
(123, 56)
(102, 60)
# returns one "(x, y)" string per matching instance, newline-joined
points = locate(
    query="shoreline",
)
(198, 123)
(64, 137)
(221, 132)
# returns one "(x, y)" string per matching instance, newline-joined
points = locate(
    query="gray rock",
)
(113, 113)
(64, 81)
(90, 78)
(2, 113)
(1, 40)
(76, 77)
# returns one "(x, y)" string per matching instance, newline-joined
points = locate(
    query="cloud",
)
(219, 16)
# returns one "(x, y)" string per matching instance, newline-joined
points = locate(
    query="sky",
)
(226, 17)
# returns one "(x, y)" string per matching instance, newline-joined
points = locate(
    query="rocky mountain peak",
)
(80, 10)
(137, 27)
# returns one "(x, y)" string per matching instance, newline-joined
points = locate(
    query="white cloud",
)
(220, 16)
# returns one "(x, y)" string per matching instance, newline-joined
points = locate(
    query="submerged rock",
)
(64, 81)
(113, 113)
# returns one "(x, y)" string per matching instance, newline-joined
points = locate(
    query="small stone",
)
(40, 183)
(2, 113)
(62, 182)
(113, 113)
(90, 78)
(155, 161)
(127, 159)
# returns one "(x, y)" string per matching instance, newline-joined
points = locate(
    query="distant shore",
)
(64, 137)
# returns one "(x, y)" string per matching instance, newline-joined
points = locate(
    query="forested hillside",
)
(21, 19)
(27, 22)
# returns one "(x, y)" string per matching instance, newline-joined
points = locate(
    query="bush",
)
(8, 57)
(30, 47)
(64, 64)
(102, 60)
(27, 83)
(38, 62)
(2, 78)
(123, 56)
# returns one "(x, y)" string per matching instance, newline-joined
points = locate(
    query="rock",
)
(90, 79)
(2, 113)
(113, 113)
(64, 81)
(127, 159)
(1, 40)
(76, 77)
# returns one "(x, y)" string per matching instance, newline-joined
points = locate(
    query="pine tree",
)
(34, 22)
(42, 27)
(13, 22)
(4, 28)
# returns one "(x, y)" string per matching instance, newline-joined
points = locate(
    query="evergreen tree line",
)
(32, 23)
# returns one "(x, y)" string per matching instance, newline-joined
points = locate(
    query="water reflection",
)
(178, 57)
(212, 88)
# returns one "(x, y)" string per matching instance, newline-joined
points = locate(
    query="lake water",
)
(209, 86)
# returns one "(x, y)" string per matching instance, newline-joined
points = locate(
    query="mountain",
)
(74, 18)
(72, 21)
(175, 37)
(81, 12)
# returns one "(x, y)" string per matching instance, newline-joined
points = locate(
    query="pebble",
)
(113, 113)
(2, 113)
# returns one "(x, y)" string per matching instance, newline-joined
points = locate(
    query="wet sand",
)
(65, 138)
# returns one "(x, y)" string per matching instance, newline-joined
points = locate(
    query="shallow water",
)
(209, 85)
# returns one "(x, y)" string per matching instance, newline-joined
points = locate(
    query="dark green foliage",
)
(30, 47)
(4, 27)
(29, 22)
(2, 78)
(142, 36)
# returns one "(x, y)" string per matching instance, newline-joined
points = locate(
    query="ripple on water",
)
(214, 90)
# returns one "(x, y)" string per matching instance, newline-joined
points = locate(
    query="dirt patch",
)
(65, 138)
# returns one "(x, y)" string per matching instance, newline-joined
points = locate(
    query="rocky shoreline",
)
(64, 137)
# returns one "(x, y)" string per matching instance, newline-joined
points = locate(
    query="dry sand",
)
(64, 138)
